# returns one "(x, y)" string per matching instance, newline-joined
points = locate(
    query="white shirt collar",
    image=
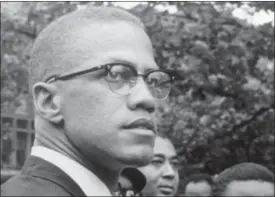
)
(85, 179)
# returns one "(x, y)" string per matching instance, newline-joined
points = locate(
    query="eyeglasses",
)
(121, 78)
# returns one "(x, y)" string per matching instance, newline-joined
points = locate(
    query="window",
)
(21, 148)
(17, 136)
(6, 121)
(6, 140)
(22, 123)
(32, 124)
(6, 149)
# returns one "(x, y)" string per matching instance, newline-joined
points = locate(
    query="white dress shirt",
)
(90, 184)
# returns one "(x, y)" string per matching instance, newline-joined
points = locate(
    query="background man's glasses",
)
(121, 78)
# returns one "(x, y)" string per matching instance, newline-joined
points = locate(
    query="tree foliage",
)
(227, 65)
(220, 114)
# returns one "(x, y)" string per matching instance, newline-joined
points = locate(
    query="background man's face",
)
(162, 173)
(249, 188)
(201, 188)
(93, 114)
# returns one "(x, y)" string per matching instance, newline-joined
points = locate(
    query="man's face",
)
(94, 116)
(249, 188)
(162, 173)
(201, 188)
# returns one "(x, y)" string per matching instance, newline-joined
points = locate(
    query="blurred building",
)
(17, 136)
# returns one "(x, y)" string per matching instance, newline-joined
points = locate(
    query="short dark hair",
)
(241, 172)
(198, 177)
(47, 50)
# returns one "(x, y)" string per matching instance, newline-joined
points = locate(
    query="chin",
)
(137, 158)
(142, 161)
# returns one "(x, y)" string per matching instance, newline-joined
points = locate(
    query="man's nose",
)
(141, 97)
(168, 171)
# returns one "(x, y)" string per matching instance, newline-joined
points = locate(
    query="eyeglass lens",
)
(122, 78)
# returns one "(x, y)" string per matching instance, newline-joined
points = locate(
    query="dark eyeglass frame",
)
(171, 77)
(107, 67)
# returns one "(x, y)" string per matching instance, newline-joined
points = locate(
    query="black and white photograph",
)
(137, 98)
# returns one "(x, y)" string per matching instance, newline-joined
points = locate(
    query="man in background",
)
(162, 175)
(199, 184)
(244, 179)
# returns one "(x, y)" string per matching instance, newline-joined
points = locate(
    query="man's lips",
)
(166, 189)
(141, 123)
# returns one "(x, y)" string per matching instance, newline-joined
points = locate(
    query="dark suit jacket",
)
(40, 178)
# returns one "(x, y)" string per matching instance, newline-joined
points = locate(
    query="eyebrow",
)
(175, 158)
(131, 63)
(162, 156)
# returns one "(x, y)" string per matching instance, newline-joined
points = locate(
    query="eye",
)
(175, 164)
(114, 75)
(120, 72)
(157, 162)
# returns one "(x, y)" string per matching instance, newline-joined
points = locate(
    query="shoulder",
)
(24, 185)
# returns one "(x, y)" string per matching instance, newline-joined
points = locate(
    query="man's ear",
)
(47, 102)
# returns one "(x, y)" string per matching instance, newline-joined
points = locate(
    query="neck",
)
(50, 137)
(100, 166)
(106, 174)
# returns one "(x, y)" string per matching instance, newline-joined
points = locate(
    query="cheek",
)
(88, 113)
(177, 180)
(177, 177)
(93, 113)
(95, 104)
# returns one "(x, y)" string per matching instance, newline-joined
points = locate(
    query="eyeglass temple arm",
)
(65, 77)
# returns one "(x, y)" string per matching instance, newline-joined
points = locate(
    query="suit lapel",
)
(40, 168)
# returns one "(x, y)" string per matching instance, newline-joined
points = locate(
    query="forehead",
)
(164, 147)
(250, 188)
(199, 187)
(112, 42)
